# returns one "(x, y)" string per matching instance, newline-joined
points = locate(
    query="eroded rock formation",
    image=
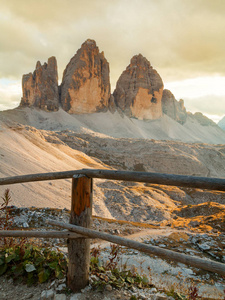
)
(173, 108)
(85, 86)
(139, 90)
(40, 89)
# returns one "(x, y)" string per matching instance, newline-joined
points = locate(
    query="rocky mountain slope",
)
(35, 151)
(117, 126)
(24, 150)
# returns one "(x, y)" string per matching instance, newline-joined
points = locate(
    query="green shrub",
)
(31, 264)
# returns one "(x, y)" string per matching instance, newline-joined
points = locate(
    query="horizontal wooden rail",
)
(155, 178)
(78, 267)
(204, 264)
(158, 178)
(40, 234)
(37, 177)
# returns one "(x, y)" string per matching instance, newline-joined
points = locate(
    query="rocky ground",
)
(149, 155)
(38, 151)
(56, 290)
(164, 275)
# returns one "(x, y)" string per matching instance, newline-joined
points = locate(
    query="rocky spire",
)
(40, 89)
(173, 108)
(85, 85)
(139, 90)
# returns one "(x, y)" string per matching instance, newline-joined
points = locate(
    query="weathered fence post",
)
(79, 249)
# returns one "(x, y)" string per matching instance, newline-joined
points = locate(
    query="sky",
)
(183, 40)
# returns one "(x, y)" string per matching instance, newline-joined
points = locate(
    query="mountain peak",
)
(40, 89)
(139, 90)
(139, 60)
(85, 85)
(89, 43)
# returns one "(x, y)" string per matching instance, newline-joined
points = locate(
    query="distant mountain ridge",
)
(86, 88)
(221, 123)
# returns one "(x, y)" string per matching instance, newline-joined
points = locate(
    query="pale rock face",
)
(85, 86)
(40, 89)
(139, 90)
(143, 108)
(173, 108)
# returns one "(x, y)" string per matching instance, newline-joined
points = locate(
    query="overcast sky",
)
(183, 40)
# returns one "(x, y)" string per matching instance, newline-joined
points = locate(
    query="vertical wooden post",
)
(79, 249)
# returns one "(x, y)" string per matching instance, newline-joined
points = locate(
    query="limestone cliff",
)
(40, 89)
(173, 108)
(85, 85)
(139, 90)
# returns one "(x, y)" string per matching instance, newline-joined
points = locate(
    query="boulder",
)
(85, 85)
(40, 89)
(139, 90)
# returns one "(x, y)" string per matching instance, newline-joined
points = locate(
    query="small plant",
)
(31, 264)
(193, 293)
(113, 256)
(95, 251)
(176, 295)
(6, 222)
(111, 274)
(5, 219)
(6, 198)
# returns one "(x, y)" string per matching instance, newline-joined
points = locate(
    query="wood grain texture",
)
(79, 249)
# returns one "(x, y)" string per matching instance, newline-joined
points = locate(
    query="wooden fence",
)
(79, 232)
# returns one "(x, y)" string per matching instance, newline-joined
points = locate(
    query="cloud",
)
(176, 36)
(201, 94)
(10, 94)
(209, 105)
(198, 87)
(215, 118)
(182, 39)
